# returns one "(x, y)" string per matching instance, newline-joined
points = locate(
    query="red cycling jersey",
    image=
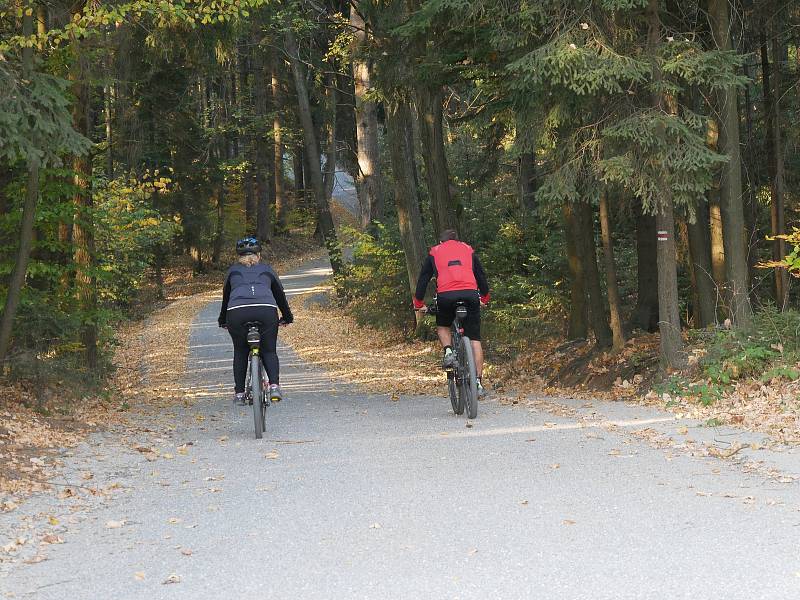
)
(453, 260)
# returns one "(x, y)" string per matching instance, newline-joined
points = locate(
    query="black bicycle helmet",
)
(248, 245)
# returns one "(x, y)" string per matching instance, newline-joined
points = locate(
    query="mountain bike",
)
(256, 386)
(462, 379)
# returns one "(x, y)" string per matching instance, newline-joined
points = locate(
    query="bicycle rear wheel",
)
(455, 401)
(255, 390)
(469, 378)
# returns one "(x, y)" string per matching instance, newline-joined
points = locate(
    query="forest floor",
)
(35, 423)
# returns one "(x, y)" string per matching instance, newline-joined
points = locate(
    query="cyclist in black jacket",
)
(253, 292)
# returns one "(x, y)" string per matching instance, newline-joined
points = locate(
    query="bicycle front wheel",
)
(469, 378)
(255, 390)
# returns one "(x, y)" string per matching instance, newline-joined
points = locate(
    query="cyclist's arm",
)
(480, 277)
(280, 298)
(226, 294)
(425, 276)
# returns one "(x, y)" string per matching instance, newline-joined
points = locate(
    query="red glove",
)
(485, 299)
(417, 303)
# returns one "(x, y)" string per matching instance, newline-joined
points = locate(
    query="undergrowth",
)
(770, 351)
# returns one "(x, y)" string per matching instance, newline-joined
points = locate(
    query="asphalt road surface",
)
(352, 495)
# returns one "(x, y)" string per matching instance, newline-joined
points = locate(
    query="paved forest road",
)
(356, 496)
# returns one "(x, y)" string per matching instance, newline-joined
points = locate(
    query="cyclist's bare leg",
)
(477, 353)
(445, 337)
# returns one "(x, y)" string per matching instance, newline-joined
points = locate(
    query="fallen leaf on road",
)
(473, 551)
(186, 552)
(87, 475)
(52, 539)
(35, 559)
(683, 430)
(568, 522)
(167, 456)
(114, 524)
(555, 466)
(52, 521)
(66, 493)
(172, 579)
(272, 455)
(174, 520)
(524, 503)
(223, 439)
(614, 453)
(375, 526)
(139, 575)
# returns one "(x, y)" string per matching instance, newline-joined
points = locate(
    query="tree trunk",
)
(250, 201)
(614, 301)
(324, 218)
(406, 196)
(527, 182)
(298, 172)
(219, 234)
(645, 314)
(587, 249)
(731, 205)
(669, 320)
(775, 166)
(368, 182)
(578, 328)
(83, 227)
(17, 281)
(329, 176)
(429, 112)
(705, 312)
(281, 201)
(264, 153)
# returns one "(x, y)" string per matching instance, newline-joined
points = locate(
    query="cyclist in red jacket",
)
(459, 277)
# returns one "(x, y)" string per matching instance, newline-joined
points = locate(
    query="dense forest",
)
(620, 165)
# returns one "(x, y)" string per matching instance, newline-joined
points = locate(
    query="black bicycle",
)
(462, 379)
(256, 386)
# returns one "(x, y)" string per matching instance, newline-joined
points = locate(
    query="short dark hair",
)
(447, 235)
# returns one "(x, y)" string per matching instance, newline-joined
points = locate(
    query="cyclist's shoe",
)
(449, 358)
(481, 389)
(239, 399)
(275, 393)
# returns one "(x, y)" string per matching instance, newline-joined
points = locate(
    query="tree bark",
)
(614, 301)
(775, 165)
(527, 182)
(219, 233)
(731, 204)
(329, 176)
(577, 328)
(17, 280)
(281, 201)
(588, 254)
(298, 172)
(705, 312)
(369, 182)
(429, 112)
(406, 196)
(264, 153)
(645, 314)
(669, 323)
(311, 144)
(83, 227)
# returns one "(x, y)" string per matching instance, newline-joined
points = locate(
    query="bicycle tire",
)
(455, 401)
(255, 390)
(264, 400)
(469, 378)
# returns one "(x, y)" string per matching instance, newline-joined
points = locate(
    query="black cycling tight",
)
(236, 320)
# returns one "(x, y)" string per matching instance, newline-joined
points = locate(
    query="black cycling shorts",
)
(446, 305)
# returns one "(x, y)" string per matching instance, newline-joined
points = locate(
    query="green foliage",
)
(128, 231)
(35, 121)
(376, 283)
